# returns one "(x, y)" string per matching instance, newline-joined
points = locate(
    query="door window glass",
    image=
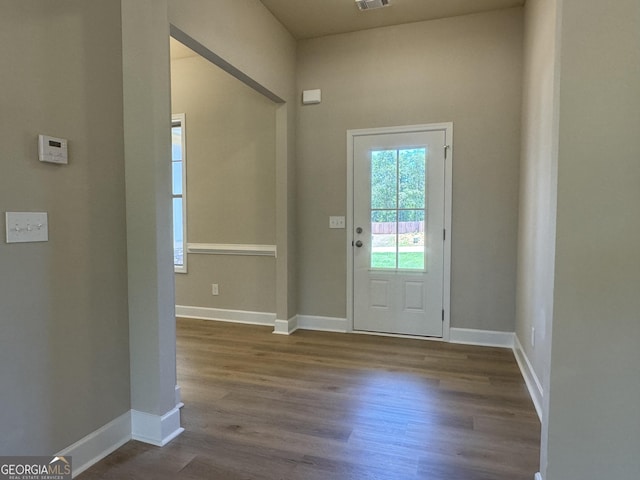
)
(398, 209)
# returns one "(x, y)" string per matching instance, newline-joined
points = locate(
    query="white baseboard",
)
(98, 444)
(538, 476)
(323, 324)
(485, 338)
(531, 379)
(155, 429)
(223, 315)
(286, 327)
(132, 425)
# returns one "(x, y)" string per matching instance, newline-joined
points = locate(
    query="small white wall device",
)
(53, 150)
(371, 4)
(311, 97)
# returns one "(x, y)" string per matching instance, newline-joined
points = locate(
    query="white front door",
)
(399, 220)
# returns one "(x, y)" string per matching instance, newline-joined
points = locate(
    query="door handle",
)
(359, 244)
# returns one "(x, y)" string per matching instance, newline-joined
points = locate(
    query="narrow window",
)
(179, 191)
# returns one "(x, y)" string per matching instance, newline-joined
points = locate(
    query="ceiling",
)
(316, 18)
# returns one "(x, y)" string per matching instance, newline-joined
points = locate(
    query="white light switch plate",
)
(27, 227)
(336, 222)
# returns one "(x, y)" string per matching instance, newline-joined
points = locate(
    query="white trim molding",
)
(155, 429)
(179, 397)
(534, 385)
(485, 338)
(232, 249)
(223, 315)
(132, 425)
(286, 327)
(98, 444)
(323, 324)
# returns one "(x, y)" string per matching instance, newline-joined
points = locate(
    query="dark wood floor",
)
(324, 406)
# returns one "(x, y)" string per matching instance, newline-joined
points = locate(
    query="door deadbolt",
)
(359, 230)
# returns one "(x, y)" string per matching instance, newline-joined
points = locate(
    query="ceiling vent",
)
(371, 4)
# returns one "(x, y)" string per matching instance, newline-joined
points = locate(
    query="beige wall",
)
(538, 185)
(593, 420)
(230, 185)
(64, 350)
(247, 36)
(466, 70)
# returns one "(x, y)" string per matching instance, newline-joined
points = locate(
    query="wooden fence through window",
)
(387, 228)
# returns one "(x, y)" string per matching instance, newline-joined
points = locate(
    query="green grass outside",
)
(408, 260)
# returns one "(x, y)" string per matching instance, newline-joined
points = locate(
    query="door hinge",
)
(446, 147)
(444, 234)
(443, 314)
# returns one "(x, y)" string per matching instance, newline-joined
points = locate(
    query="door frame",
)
(446, 293)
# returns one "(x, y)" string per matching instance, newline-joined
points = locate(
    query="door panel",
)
(398, 222)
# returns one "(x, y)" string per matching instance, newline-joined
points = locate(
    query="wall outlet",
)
(214, 289)
(533, 336)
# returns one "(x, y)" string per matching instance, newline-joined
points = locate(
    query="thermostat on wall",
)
(53, 150)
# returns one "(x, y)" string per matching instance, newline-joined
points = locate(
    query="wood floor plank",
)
(318, 405)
